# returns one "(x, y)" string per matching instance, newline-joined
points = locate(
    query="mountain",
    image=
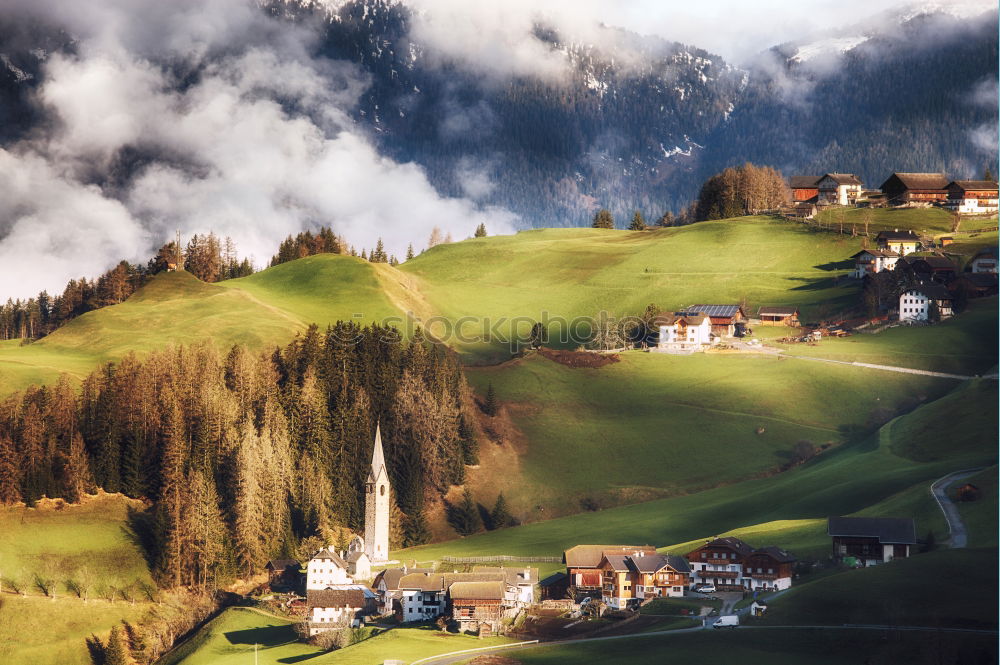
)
(635, 122)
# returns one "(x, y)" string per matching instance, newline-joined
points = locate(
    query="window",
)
(770, 570)
(704, 555)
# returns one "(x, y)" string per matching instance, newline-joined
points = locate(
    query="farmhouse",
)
(932, 268)
(778, 316)
(915, 189)
(733, 565)
(522, 580)
(973, 196)
(727, 320)
(283, 572)
(984, 261)
(327, 607)
(839, 189)
(326, 569)
(628, 579)
(805, 188)
(358, 565)
(683, 331)
(554, 587)
(583, 564)
(871, 261)
(425, 596)
(480, 606)
(975, 284)
(925, 302)
(386, 585)
(872, 540)
(901, 242)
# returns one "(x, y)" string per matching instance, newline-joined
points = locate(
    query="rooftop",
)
(888, 530)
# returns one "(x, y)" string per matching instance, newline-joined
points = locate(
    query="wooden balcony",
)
(718, 562)
(762, 576)
(718, 574)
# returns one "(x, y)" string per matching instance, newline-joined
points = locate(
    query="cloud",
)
(226, 123)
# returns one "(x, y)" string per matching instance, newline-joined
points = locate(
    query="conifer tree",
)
(76, 472)
(116, 651)
(638, 222)
(603, 219)
(490, 406)
(409, 251)
(170, 505)
(465, 517)
(10, 472)
(248, 533)
(481, 230)
(500, 516)
(205, 526)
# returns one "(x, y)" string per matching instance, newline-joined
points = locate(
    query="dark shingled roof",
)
(669, 319)
(649, 563)
(987, 253)
(897, 235)
(888, 530)
(921, 180)
(335, 598)
(932, 291)
(554, 578)
(282, 564)
(973, 184)
(843, 178)
(936, 262)
(732, 543)
(980, 279)
(876, 252)
(803, 181)
(776, 553)
(392, 576)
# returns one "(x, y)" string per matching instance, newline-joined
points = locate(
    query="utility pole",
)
(177, 248)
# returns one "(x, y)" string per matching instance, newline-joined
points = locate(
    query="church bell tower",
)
(377, 505)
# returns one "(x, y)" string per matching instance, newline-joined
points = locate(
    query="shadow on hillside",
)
(303, 657)
(846, 264)
(140, 530)
(265, 636)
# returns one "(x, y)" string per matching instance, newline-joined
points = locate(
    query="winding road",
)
(957, 534)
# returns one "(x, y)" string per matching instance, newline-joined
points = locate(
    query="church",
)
(331, 593)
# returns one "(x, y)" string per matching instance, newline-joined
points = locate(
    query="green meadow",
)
(570, 273)
(64, 546)
(677, 424)
(926, 221)
(864, 474)
(773, 647)
(237, 634)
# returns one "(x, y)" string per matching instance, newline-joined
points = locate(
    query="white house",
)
(328, 607)
(733, 565)
(985, 261)
(839, 189)
(523, 580)
(386, 585)
(422, 596)
(683, 331)
(915, 303)
(359, 567)
(974, 197)
(872, 540)
(871, 261)
(326, 569)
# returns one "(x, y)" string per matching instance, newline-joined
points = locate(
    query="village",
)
(726, 578)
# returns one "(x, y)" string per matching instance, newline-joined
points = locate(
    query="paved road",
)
(451, 659)
(889, 368)
(957, 534)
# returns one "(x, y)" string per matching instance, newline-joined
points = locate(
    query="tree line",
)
(245, 455)
(206, 256)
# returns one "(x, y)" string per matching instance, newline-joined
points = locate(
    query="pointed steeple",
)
(378, 457)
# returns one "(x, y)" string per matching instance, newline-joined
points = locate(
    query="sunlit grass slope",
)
(265, 309)
(578, 272)
(846, 480)
(655, 422)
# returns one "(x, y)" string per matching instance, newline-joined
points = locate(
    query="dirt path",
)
(889, 368)
(957, 534)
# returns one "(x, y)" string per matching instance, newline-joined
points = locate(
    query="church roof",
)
(378, 457)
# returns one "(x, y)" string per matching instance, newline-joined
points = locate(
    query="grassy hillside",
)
(265, 309)
(926, 221)
(846, 480)
(572, 273)
(773, 647)
(65, 545)
(677, 423)
(965, 344)
(229, 639)
(980, 516)
(891, 595)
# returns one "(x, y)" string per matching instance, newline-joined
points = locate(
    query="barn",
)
(778, 316)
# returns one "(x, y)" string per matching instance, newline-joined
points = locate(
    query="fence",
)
(500, 557)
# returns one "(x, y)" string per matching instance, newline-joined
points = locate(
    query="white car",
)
(704, 588)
